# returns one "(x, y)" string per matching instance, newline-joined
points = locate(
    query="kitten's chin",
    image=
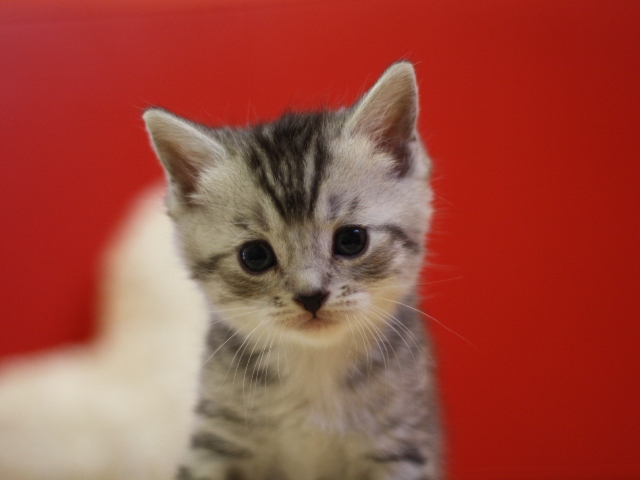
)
(314, 324)
(321, 328)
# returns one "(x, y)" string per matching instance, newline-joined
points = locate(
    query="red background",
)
(531, 111)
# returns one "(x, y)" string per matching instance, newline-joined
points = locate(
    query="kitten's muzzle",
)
(313, 301)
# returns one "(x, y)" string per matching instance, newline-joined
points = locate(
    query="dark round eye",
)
(257, 256)
(349, 241)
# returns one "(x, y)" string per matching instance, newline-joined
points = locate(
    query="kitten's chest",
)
(306, 451)
(314, 437)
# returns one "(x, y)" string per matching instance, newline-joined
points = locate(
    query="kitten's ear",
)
(183, 149)
(387, 113)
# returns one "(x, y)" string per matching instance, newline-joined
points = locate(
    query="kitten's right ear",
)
(183, 149)
(388, 112)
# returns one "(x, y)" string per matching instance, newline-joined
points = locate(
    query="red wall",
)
(531, 111)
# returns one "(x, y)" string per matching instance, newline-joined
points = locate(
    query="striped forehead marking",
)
(286, 153)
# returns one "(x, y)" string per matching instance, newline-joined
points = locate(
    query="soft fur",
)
(348, 395)
(118, 409)
(289, 391)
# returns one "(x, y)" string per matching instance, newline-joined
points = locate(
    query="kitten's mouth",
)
(309, 323)
(316, 323)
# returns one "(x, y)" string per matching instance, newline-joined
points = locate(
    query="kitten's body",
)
(318, 413)
(316, 365)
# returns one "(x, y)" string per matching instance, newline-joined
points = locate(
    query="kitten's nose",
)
(312, 302)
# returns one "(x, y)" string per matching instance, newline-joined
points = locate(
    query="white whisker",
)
(225, 342)
(244, 382)
(432, 318)
(390, 345)
(245, 342)
(394, 320)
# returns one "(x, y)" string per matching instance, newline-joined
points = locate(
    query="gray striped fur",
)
(348, 395)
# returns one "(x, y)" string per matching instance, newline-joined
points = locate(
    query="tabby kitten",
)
(306, 236)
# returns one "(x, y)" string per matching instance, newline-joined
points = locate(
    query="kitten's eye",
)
(349, 241)
(257, 256)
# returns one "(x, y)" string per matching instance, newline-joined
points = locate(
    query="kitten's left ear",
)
(184, 149)
(387, 113)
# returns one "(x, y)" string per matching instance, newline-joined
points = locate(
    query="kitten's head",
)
(311, 225)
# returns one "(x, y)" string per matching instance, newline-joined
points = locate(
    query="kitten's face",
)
(312, 226)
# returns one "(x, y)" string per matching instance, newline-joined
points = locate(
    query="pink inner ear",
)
(183, 173)
(388, 115)
(183, 150)
(400, 150)
(396, 136)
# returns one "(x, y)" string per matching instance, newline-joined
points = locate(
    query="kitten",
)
(306, 236)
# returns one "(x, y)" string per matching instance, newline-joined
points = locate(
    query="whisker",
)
(366, 346)
(279, 375)
(375, 331)
(363, 319)
(387, 362)
(245, 373)
(394, 320)
(411, 284)
(384, 359)
(265, 377)
(432, 318)
(245, 342)
(419, 346)
(390, 345)
(222, 310)
(253, 379)
(224, 343)
(355, 345)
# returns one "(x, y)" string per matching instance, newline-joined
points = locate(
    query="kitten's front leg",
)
(212, 456)
(210, 471)
(408, 466)
(209, 466)
(217, 469)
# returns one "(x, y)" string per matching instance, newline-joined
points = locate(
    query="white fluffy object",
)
(119, 408)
